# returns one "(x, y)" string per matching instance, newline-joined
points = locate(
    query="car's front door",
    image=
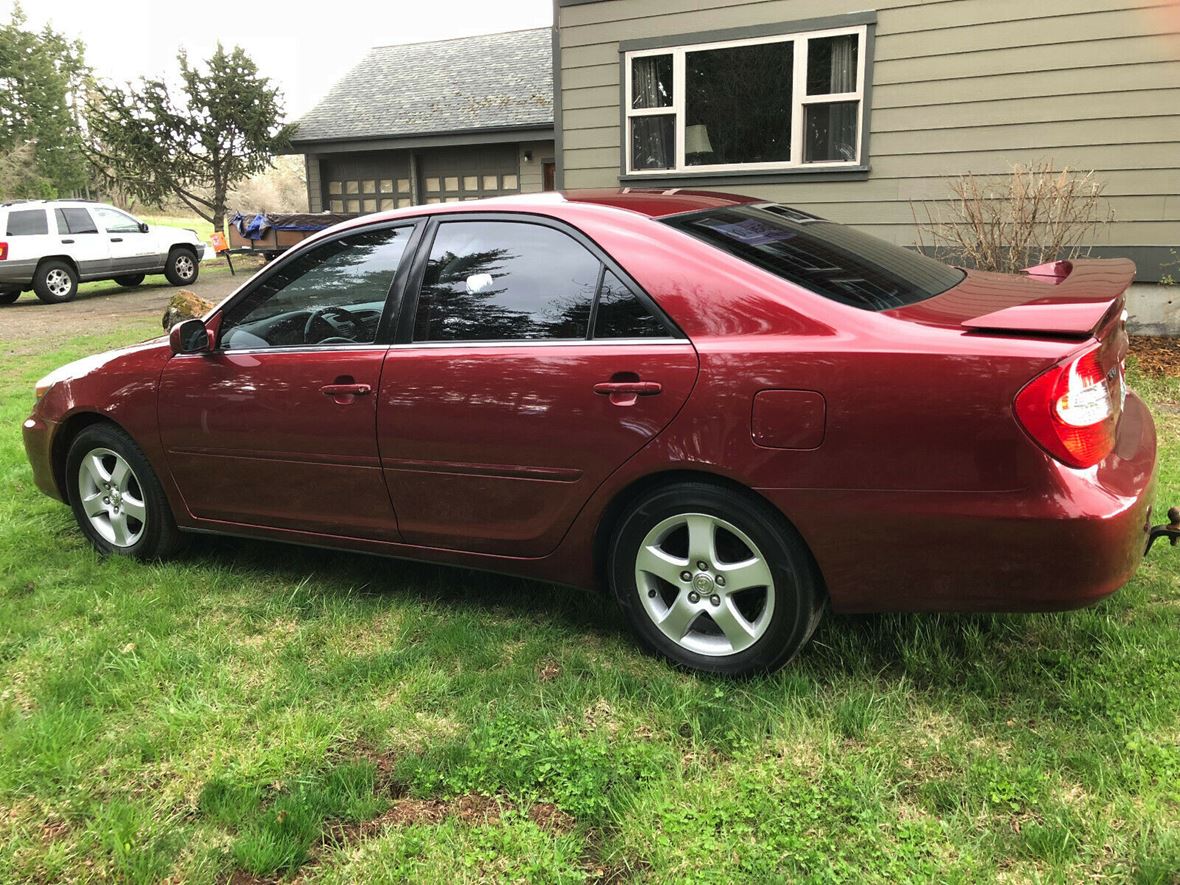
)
(277, 426)
(80, 239)
(132, 250)
(529, 371)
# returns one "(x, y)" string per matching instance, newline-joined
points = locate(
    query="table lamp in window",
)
(698, 150)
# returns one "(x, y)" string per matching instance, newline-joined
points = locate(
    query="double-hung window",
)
(766, 103)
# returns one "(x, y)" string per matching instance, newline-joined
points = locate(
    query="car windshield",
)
(829, 259)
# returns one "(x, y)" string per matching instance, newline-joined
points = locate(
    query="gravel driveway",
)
(29, 326)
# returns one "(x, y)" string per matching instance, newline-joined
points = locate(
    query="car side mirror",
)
(191, 336)
(143, 228)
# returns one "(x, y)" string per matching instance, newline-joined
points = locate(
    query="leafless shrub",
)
(281, 188)
(1033, 215)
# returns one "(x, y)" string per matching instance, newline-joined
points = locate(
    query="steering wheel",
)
(340, 324)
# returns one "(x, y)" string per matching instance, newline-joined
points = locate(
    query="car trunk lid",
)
(1062, 299)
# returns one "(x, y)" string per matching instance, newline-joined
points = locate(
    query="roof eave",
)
(402, 140)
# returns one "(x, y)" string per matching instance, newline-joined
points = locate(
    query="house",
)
(434, 122)
(860, 111)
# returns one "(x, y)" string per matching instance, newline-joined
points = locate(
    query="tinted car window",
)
(74, 221)
(27, 222)
(622, 315)
(832, 260)
(505, 281)
(332, 294)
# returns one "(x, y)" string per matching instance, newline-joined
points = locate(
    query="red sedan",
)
(729, 412)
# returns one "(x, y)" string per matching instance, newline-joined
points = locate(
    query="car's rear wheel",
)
(116, 497)
(130, 280)
(715, 579)
(9, 296)
(182, 267)
(55, 282)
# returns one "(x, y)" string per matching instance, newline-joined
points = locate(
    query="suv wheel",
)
(116, 498)
(55, 282)
(715, 580)
(182, 268)
(130, 281)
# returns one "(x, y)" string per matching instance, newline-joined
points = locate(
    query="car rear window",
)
(27, 222)
(75, 221)
(829, 259)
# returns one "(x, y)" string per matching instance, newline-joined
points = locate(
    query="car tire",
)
(130, 281)
(116, 497)
(182, 268)
(9, 296)
(753, 605)
(55, 282)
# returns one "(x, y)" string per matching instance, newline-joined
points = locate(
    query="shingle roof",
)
(484, 82)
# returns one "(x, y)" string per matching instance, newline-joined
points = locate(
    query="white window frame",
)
(799, 101)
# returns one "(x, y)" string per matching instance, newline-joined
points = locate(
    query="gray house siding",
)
(956, 86)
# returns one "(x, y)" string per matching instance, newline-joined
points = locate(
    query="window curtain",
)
(844, 65)
(833, 126)
(651, 140)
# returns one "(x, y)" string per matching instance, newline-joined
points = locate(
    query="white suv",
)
(50, 246)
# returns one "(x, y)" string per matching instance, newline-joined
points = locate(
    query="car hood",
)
(89, 364)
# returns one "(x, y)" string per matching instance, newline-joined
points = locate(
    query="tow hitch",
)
(1169, 530)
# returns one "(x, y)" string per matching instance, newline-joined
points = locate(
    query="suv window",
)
(505, 281)
(115, 222)
(332, 294)
(74, 221)
(27, 222)
(831, 260)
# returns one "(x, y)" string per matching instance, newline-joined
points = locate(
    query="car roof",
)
(46, 204)
(649, 202)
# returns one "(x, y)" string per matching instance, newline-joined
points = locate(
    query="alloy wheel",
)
(705, 584)
(58, 282)
(184, 266)
(112, 497)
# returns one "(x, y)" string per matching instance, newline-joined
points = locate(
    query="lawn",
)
(257, 711)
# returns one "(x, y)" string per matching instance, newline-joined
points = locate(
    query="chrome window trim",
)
(529, 342)
(437, 345)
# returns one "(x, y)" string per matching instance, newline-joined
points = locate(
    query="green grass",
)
(203, 228)
(270, 711)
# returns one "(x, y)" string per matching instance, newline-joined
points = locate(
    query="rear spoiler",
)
(1085, 295)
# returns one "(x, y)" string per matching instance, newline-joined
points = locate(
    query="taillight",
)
(3, 251)
(1072, 409)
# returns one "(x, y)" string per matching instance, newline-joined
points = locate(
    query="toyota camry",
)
(728, 414)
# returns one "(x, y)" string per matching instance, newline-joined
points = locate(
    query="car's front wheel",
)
(55, 282)
(130, 281)
(182, 267)
(116, 496)
(715, 579)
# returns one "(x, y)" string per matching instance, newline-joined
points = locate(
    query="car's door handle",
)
(346, 390)
(116, 239)
(67, 242)
(632, 388)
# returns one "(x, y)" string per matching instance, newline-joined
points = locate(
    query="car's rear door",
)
(78, 237)
(529, 369)
(277, 426)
